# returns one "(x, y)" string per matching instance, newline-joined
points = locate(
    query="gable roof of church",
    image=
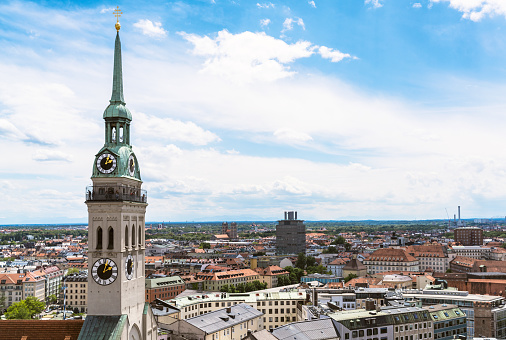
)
(40, 329)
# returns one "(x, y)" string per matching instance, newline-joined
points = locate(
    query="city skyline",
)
(353, 110)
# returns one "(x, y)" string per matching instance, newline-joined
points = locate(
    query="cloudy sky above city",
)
(349, 109)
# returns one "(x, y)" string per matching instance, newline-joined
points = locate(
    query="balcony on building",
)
(118, 193)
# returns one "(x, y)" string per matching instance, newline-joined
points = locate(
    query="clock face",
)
(131, 165)
(129, 267)
(106, 163)
(104, 271)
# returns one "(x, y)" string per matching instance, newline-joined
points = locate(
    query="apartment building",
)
(163, 287)
(214, 281)
(271, 274)
(407, 323)
(229, 323)
(19, 286)
(465, 301)
(475, 252)
(279, 308)
(434, 256)
(54, 277)
(76, 292)
(469, 236)
(449, 321)
(390, 259)
(336, 267)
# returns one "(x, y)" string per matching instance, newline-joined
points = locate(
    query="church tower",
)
(116, 231)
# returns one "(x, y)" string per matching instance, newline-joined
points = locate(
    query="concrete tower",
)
(116, 241)
(290, 235)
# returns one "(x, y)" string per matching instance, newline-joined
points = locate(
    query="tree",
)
(51, 299)
(34, 305)
(205, 245)
(72, 270)
(449, 270)
(224, 289)
(249, 287)
(295, 274)
(310, 261)
(283, 280)
(18, 310)
(2, 301)
(339, 240)
(240, 287)
(301, 261)
(347, 246)
(350, 277)
(25, 309)
(321, 269)
(259, 285)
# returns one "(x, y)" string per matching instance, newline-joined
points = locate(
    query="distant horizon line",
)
(259, 221)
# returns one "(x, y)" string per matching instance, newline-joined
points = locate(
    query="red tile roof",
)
(40, 329)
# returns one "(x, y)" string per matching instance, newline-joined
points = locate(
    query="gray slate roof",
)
(308, 330)
(220, 319)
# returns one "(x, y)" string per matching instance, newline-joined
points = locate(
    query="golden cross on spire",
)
(117, 14)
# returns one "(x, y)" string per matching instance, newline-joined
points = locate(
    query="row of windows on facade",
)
(110, 244)
(227, 331)
(282, 311)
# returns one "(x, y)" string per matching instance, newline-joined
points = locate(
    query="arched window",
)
(121, 134)
(113, 134)
(140, 236)
(133, 236)
(126, 237)
(99, 238)
(111, 239)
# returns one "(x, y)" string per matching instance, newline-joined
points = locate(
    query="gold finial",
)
(117, 14)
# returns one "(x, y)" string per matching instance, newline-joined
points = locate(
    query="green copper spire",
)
(117, 78)
(117, 108)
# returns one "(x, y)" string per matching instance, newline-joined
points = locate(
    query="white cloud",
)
(107, 10)
(288, 24)
(166, 129)
(312, 3)
(51, 155)
(476, 10)
(265, 5)
(343, 153)
(248, 56)
(8, 130)
(290, 136)
(265, 22)
(151, 29)
(334, 55)
(417, 5)
(374, 3)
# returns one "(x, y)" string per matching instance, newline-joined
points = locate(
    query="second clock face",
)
(104, 271)
(106, 163)
(131, 165)
(129, 267)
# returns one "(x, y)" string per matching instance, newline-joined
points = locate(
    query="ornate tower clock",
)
(116, 209)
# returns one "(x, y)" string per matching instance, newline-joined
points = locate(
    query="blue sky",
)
(349, 109)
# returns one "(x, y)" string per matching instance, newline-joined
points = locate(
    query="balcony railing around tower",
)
(116, 193)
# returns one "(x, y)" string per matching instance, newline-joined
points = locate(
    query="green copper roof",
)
(117, 108)
(102, 327)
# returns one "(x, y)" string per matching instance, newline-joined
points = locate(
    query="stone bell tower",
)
(116, 231)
